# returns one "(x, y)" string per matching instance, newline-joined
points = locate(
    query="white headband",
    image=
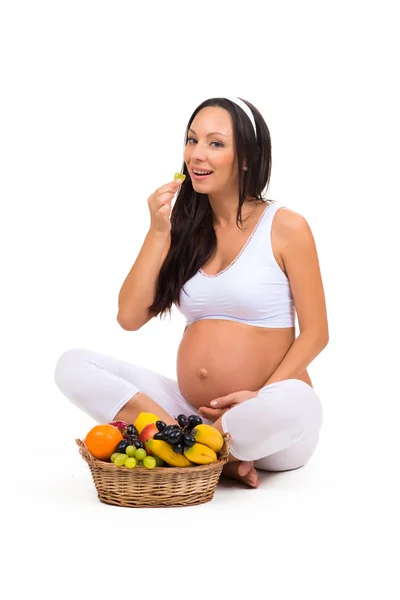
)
(246, 109)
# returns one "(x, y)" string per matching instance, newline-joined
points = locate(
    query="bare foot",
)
(243, 471)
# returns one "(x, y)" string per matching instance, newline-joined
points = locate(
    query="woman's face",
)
(211, 147)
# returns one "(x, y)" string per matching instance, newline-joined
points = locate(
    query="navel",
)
(203, 373)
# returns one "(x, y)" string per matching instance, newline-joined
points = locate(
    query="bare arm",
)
(138, 290)
(300, 258)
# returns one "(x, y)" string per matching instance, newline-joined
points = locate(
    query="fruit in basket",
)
(140, 454)
(149, 462)
(121, 425)
(200, 454)
(186, 423)
(188, 439)
(130, 451)
(148, 432)
(182, 420)
(120, 460)
(122, 446)
(102, 440)
(209, 436)
(175, 436)
(164, 451)
(131, 430)
(178, 448)
(137, 443)
(133, 457)
(193, 420)
(144, 419)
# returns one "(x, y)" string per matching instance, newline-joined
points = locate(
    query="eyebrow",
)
(212, 133)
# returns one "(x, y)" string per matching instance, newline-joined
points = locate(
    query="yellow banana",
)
(144, 419)
(209, 436)
(200, 454)
(164, 451)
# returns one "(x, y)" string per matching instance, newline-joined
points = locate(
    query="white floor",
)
(328, 530)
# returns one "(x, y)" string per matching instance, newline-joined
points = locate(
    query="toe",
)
(253, 478)
(244, 468)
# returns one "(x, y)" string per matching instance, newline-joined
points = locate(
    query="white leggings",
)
(278, 429)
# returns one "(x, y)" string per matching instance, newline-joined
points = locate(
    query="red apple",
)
(148, 432)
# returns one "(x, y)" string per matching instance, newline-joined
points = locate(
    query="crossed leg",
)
(277, 430)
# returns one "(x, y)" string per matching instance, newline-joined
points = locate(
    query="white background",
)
(95, 97)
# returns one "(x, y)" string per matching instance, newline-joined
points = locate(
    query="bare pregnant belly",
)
(217, 357)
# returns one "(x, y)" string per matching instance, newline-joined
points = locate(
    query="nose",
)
(198, 153)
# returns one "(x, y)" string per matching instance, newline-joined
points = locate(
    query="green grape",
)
(120, 460)
(114, 456)
(140, 453)
(130, 462)
(130, 451)
(159, 461)
(149, 462)
(180, 176)
(140, 463)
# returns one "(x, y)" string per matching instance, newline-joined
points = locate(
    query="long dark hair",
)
(193, 238)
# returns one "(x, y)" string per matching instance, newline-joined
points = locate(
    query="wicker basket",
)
(155, 488)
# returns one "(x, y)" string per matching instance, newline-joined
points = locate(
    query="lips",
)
(199, 177)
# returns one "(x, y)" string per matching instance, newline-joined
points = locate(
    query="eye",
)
(219, 145)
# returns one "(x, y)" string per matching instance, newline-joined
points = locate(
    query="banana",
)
(200, 454)
(209, 436)
(164, 451)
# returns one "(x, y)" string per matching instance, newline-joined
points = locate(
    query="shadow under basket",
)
(155, 488)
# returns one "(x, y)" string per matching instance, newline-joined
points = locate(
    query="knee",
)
(299, 398)
(293, 386)
(67, 363)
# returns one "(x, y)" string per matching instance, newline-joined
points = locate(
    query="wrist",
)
(154, 233)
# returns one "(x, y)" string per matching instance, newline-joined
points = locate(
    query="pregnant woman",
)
(238, 267)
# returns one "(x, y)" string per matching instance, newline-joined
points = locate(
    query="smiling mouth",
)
(202, 175)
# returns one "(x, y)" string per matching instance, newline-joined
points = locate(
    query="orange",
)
(102, 440)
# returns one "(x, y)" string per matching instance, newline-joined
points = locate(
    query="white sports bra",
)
(253, 289)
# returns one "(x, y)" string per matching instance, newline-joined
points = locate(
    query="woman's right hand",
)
(160, 206)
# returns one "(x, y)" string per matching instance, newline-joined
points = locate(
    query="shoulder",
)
(290, 228)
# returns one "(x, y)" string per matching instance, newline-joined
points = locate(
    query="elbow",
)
(324, 339)
(125, 323)
(318, 338)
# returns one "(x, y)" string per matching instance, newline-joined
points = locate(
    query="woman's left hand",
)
(221, 405)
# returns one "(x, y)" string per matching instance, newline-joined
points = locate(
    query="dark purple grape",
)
(159, 436)
(122, 446)
(178, 448)
(131, 430)
(160, 425)
(194, 420)
(175, 436)
(182, 420)
(138, 444)
(189, 440)
(168, 430)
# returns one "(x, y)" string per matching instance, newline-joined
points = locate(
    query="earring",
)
(245, 169)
